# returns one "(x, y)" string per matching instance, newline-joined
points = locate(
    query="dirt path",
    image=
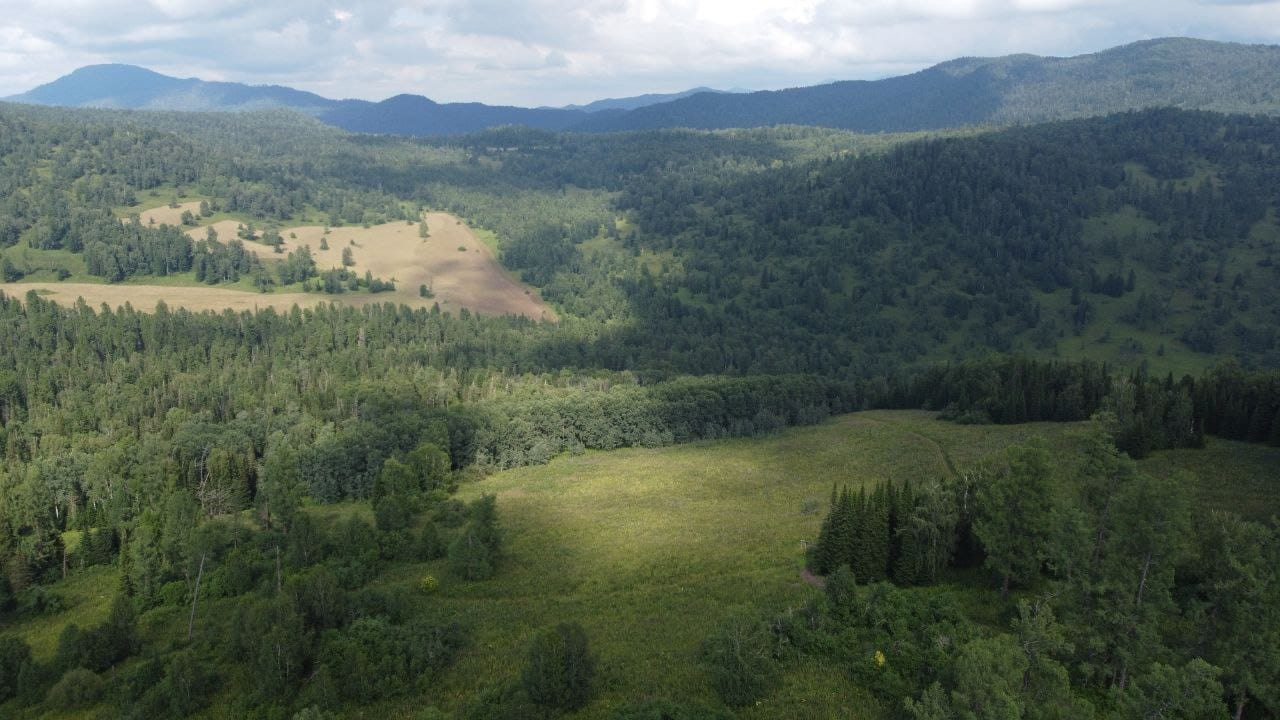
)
(808, 576)
(937, 446)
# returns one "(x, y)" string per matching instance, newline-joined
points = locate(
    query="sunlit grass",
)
(651, 548)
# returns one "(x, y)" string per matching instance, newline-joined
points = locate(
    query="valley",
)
(951, 395)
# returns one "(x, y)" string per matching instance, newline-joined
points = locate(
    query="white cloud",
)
(536, 52)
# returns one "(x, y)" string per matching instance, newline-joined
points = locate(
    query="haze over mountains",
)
(1185, 73)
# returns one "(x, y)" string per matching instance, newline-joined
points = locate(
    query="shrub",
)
(560, 669)
(430, 545)
(318, 597)
(14, 656)
(78, 688)
(392, 512)
(39, 600)
(739, 658)
(841, 590)
(469, 558)
(504, 702)
(132, 684)
(662, 709)
(429, 584)
(314, 713)
(185, 687)
(450, 513)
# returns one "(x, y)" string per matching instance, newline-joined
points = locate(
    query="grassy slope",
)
(651, 548)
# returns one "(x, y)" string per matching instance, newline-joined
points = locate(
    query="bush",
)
(38, 600)
(663, 709)
(314, 713)
(430, 545)
(450, 513)
(176, 592)
(14, 656)
(841, 590)
(739, 658)
(7, 599)
(504, 702)
(469, 558)
(429, 584)
(393, 512)
(132, 684)
(560, 668)
(78, 688)
(101, 646)
(373, 659)
(185, 687)
(318, 597)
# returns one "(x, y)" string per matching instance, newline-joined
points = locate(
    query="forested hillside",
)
(1016, 89)
(250, 514)
(1148, 235)
(966, 92)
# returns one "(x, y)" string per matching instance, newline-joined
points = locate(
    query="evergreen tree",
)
(560, 669)
(1014, 515)
(470, 557)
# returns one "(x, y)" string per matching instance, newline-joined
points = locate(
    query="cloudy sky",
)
(549, 52)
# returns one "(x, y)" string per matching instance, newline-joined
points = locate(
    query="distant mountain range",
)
(1180, 72)
(639, 101)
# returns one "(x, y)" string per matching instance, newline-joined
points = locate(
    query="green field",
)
(650, 548)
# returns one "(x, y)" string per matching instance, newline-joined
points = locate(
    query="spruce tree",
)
(866, 552)
(822, 554)
(846, 527)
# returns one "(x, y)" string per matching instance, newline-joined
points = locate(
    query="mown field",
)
(456, 263)
(650, 548)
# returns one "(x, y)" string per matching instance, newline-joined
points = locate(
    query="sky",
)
(547, 52)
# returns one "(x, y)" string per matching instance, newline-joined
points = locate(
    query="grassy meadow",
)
(471, 279)
(651, 548)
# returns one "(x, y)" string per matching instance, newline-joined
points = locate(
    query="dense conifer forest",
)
(249, 480)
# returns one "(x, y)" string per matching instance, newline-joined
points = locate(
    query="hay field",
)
(165, 215)
(460, 269)
(226, 230)
(192, 297)
(460, 278)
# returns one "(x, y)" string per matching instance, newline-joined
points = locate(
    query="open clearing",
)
(165, 215)
(650, 549)
(460, 269)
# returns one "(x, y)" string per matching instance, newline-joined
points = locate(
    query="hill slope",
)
(1186, 73)
(639, 101)
(134, 88)
(1179, 72)
(417, 115)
